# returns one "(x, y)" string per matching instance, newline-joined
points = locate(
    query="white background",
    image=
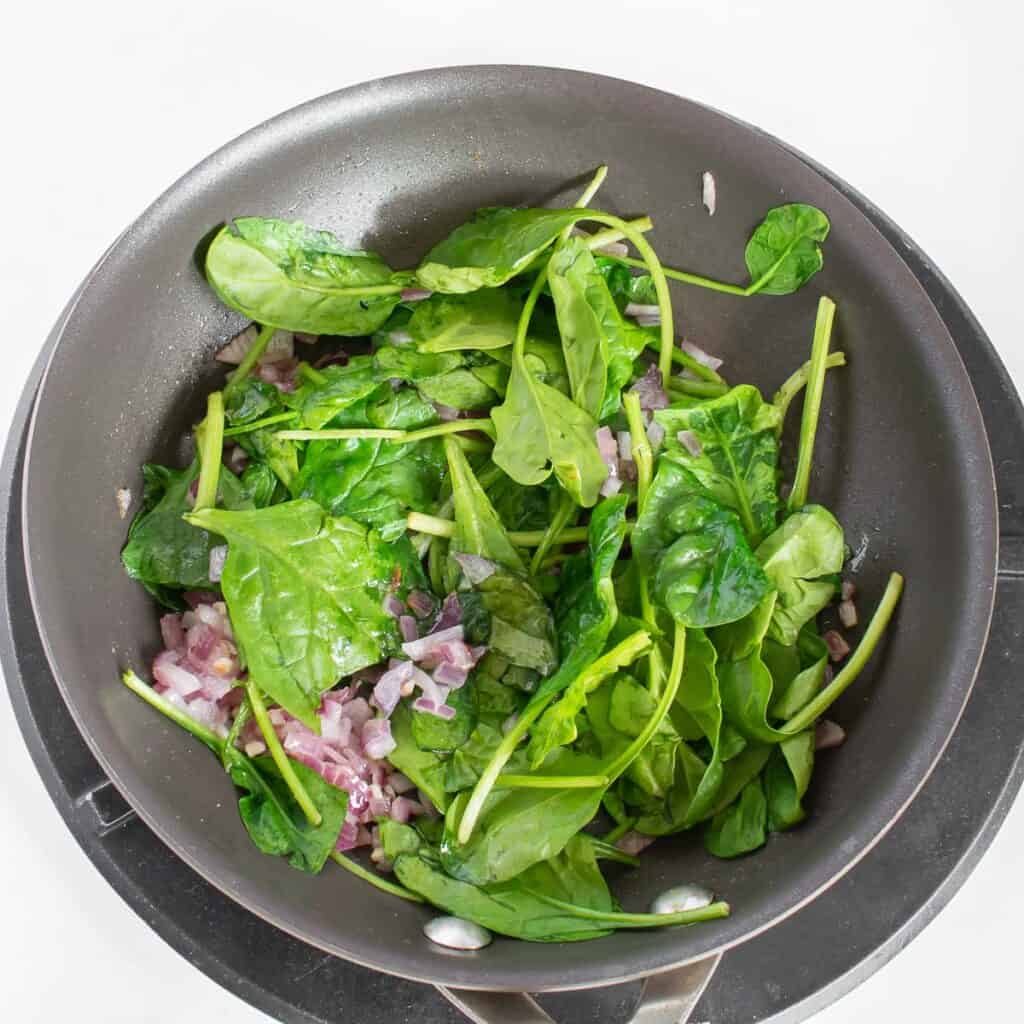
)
(105, 104)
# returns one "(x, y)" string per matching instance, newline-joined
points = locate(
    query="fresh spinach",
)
(477, 321)
(423, 767)
(783, 252)
(786, 778)
(291, 276)
(742, 826)
(305, 593)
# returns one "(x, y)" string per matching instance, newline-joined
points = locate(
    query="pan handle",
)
(667, 998)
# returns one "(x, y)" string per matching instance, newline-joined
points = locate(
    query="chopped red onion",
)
(254, 748)
(475, 568)
(417, 650)
(420, 603)
(167, 671)
(702, 357)
(415, 294)
(634, 843)
(643, 309)
(838, 648)
(650, 390)
(347, 837)
(305, 339)
(648, 321)
(709, 192)
(446, 413)
(408, 628)
(388, 690)
(848, 614)
(238, 459)
(452, 676)
(849, 590)
(171, 630)
(338, 358)
(400, 783)
(218, 556)
(609, 451)
(403, 809)
(194, 598)
(691, 442)
(123, 498)
(393, 606)
(377, 741)
(432, 708)
(371, 674)
(611, 486)
(625, 440)
(234, 351)
(655, 433)
(450, 614)
(828, 734)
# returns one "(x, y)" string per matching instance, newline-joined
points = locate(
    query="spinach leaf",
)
(289, 275)
(693, 550)
(497, 244)
(600, 347)
(543, 359)
(373, 480)
(443, 378)
(520, 827)
(742, 826)
(519, 507)
(585, 613)
(337, 399)
(738, 463)
(808, 545)
(478, 530)
(786, 778)
(465, 765)
(163, 552)
(783, 254)
(424, 767)
(540, 430)
(746, 687)
(275, 822)
(305, 593)
(250, 400)
(798, 672)
(259, 484)
(479, 321)
(445, 735)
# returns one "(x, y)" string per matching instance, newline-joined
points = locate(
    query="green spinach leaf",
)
(783, 252)
(424, 767)
(305, 593)
(478, 321)
(742, 826)
(786, 778)
(288, 275)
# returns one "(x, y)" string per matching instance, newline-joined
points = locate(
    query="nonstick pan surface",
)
(393, 165)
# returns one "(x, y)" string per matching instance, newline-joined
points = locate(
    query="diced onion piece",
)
(709, 191)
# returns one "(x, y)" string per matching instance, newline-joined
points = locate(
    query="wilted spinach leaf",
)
(786, 778)
(783, 253)
(742, 826)
(479, 321)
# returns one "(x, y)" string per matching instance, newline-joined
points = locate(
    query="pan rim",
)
(460, 977)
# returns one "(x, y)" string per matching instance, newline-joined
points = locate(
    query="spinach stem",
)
(175, 714)
(251, 358)
(284, 766)
(682, 275)
(472, 444)
(591, 190)
(312, 375)
(604, 850)
(696, 388)
(684, 359)
(242, 716)
(420, 522)
(653, 264)
(551, 782)
(210, 444)
(373, 878)
(608, 235)
(812, 711)
(711, 912)
(565, 511)
(640, 446)
(615, 834)
(267, 421)
(675, 675)
(485, 426)
(812, 401)
(622, 654)
(797, 381)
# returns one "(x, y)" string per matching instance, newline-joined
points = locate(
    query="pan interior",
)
(394, 165)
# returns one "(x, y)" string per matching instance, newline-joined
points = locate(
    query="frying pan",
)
(393, 165)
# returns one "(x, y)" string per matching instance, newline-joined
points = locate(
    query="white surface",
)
(915, 104)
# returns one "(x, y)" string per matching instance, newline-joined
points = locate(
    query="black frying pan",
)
(394, 165)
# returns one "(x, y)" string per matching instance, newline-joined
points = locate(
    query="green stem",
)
(485, 426)
(696, 388)
(591, 190)
(702, 282)
(210, 443)
(797, 381)
(242, 716)
(622, 654)
(640, 446)
(812, 401)
(565, 511)
(687, 361)
(175, 714)
(605, 850)
(251, 358)
(811, 712)
(348, 434)
(551, 782)
(284, 766)
(267, 421)
(675, 675)
(420, 522)
(472, 444)
(608, 235)
(711, 912)
(615, 834)
(312, 375)
(374, 879)
(653, 264)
